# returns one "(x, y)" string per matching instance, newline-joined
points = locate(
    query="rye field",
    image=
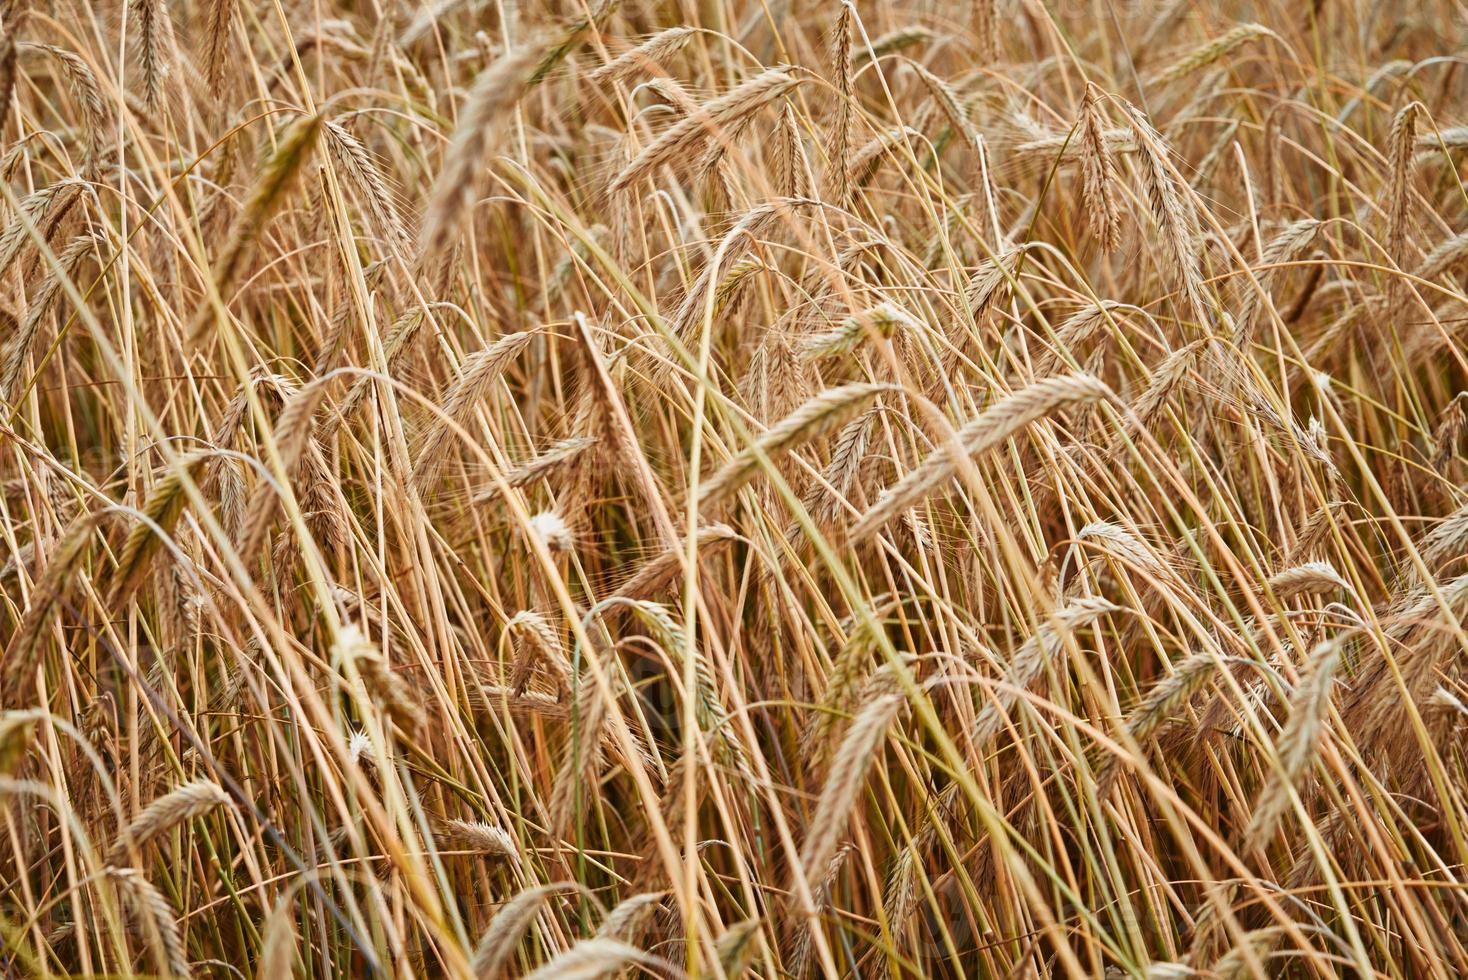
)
(776, 489)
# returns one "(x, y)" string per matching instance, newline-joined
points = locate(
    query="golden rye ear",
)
(161, 510)
(193, 799)
(483, 126)
(983, 432)
(266, 196)
(820, 414)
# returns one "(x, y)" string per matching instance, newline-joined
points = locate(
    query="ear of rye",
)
(818, 415)
(985, 431)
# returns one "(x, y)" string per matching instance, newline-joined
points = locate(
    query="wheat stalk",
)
(9, 70)
(1171, 693)
(83, 84)
(476, 836)
(161, 511)
(1287, 246)
(880, 321)
(658, 571)
(792, 170)
(382, 682)
(40, 213)
(537, 642)
(800, 955)
(838, 480)
(582, 756)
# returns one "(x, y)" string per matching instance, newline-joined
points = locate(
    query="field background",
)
(769, 488)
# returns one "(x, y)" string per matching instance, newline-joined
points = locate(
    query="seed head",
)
(359, 746)
(551, 529)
